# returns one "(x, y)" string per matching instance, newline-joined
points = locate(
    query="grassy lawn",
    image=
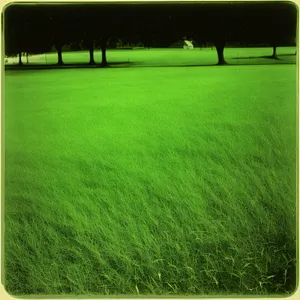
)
(157, 181)
(171, 57)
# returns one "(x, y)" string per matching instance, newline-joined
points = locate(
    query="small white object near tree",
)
(188, 45)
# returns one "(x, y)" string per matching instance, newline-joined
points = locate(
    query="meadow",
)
(150, 181)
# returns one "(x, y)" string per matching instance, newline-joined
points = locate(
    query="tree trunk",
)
(103, 50)
(92, 61)
(20, 59)
(59, 54)
(274, 55)
(220, 49)
(104, 61)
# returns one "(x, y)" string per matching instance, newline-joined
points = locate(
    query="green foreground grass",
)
(156, 181)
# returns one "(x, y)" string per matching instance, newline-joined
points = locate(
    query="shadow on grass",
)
(268, 57)
(64, 66)
(276, 61)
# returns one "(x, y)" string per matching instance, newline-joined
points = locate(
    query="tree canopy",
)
(36, 28)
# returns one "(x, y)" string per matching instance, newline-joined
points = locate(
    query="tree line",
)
(37, 28)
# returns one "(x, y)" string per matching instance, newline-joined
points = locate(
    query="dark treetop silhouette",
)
(36, 28)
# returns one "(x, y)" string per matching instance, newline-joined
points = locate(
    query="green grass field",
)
(151, 181)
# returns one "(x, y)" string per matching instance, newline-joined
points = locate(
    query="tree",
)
(282, 26)
(110, 20)
(14, 31)
(267, 23)
(63, 26)
(21, 34)
(89, 30)
(36, 41)
(216, 24)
